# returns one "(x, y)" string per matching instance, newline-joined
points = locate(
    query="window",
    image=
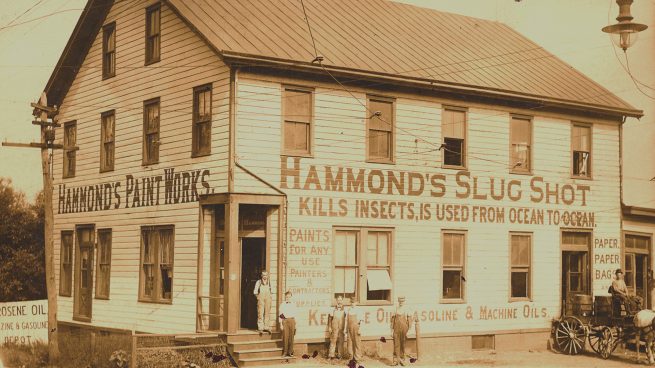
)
(151, 132)
(107, 122)
(109, 50)
(202, 120)
(83, 303)
(156, 276)
(297, 112)
(66, 264)
(380, 130)
(520, 267)
(636, 264)
(453, 130)
(70, 138)
(153, 34)
(581, 145)
(104, 263)
(452, 264)
(367, 278)
(521, 150)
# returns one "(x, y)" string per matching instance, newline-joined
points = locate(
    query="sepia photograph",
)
(327, 183)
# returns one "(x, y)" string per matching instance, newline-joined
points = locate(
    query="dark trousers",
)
(288, 333)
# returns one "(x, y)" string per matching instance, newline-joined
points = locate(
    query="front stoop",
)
(250, 349)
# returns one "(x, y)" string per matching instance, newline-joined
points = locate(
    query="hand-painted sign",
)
(170, 188)
(23, 322)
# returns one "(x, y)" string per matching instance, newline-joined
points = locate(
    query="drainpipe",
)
(232, 128)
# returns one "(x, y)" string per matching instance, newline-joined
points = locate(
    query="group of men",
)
(343, 324)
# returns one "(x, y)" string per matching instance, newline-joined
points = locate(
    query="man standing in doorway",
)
(337, 329)
(400, 322)
(263, 293)
(353, 336)
(287, 319)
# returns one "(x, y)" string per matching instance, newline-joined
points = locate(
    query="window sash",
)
(157, 247)
(521, 250)
(153, 34)
(453, 124)
(109, 50)
(151, 118)
(297, 106)
(202, 116)
(454, 290)
(69, 151)
(520, 289)
(453, 152)
(107, 138)
(296, 137)
(66, 264)
(379, 144)
(385, 121)
(297, 111)
(581, 166)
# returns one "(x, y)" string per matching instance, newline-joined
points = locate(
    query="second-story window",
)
(109, 50)
(453, 130)
(153, 34)
(202, 120)
(521, 150)
(581, 146)
(107, 129)
(151, 132)
(380, 130)
(297, 115)
(70, 140)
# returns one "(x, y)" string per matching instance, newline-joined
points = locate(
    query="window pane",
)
(453, 250)
(148, 280)
(453, 152)
(383, 122)
(346, 248)
(520, 131)
(166, 246)
(453, 124)
(520, 284)
(452, 284)
(520, 157)
(581, 139)
(297, 105)
(344, 280)
(580, 163)
(379, 144)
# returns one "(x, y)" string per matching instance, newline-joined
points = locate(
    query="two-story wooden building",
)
(424, 154)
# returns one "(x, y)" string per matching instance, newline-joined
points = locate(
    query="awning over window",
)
(379, 280)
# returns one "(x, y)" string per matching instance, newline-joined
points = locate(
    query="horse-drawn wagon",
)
(602, 321)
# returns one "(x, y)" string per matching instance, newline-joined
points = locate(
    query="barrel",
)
(603, 305)
(582, 305)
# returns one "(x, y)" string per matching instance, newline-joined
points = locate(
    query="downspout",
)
(621, 239)
(232, 128)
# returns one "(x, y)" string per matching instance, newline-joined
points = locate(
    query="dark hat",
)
(618, 271)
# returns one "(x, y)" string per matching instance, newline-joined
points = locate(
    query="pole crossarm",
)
(35, 145)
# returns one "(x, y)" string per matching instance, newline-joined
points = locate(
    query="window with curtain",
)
(153, 34)
(156, 276)
(70, 140)
(151, 132)
(109, 50)
(453, 245)
(107, 130)
(521, 136)
(380, 130)
(202, 120)
(297, 116)
(453, 130)
(104, 263)
(581, 145)
(66, 264)
(521, 266)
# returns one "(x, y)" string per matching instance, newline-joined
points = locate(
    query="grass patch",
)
(31, 355)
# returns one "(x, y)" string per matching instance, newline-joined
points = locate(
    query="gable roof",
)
(397, 41)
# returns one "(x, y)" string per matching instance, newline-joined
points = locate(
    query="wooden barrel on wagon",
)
(603, 305)
(582, 305)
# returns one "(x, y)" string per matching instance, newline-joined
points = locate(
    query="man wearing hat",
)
(263, 293)
(400, 322)
(620, 291)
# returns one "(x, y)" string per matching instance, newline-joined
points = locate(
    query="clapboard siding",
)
(339, 141)
(186, 62)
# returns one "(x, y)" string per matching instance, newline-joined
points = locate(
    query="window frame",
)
(69, 148)
(442, 299)
(589, 126)
(529, 267)
(392, 144)
(464, 144)
(361, 261)
(196, 149)
(513, 169)
(99, 263)
(103, 141)
(156, 298)
(144, 149)
(149, 44)
(106, 74)
(310, 143)
(77, 273)
(68, 292)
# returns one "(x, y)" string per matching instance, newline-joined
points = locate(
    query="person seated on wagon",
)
(620, 291)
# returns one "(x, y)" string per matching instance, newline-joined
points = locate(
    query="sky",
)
(33, 34)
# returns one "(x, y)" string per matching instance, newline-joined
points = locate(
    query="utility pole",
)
(42, 112)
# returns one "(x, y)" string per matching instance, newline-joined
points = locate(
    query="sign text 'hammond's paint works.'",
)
(170, 188)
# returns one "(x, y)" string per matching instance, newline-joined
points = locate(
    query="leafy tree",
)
(22, 258)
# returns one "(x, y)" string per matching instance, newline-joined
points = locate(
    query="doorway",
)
(253, 262)
(83, 301)
(575, 277)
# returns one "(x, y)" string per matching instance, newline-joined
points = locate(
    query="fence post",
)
(133, 358)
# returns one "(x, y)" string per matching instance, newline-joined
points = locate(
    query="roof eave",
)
(638, 211)
(76, 49)
(239, 58)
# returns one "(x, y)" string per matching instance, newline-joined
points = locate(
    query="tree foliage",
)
(22, 257)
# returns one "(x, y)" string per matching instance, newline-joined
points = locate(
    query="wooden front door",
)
(575, 277)
(253, 258)
(83, 301)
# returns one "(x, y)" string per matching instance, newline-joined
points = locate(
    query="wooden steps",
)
(250, 349)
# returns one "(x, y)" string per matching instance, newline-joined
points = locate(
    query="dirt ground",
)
(541, 359)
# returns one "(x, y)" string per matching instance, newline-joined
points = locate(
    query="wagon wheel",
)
(570, 335)
(595, 339)
(608, 342)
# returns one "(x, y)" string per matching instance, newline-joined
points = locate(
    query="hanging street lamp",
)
(624, 33)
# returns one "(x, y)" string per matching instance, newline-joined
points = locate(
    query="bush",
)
(157, 358)
(32, 355)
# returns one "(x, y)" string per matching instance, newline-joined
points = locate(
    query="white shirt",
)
(259, 284)
(288, 309)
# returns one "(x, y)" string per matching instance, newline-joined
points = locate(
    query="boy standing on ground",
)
(337, 329)
(400, 322)
(287, 320)
(353, 335)
(263, 293)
